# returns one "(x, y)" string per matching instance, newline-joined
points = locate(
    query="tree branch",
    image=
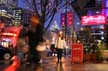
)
(29, 4)
(45, 10)
(35, 8)
(50, 21)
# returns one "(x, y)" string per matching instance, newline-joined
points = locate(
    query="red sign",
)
(93, 20)
(69, 19)
(77, 53)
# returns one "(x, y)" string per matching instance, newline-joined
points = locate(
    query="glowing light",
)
(61, 32)
(91, 20)
(53, 38)
(97, 12)
(102, 32)
(78, 23)
(82, 29)
(102, 37)
(9, 34)
(13, 58)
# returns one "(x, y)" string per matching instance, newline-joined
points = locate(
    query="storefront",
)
(94, 29)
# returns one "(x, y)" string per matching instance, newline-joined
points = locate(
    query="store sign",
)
(93, 20)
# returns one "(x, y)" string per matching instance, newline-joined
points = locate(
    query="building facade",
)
(6, 12)
(22, 16)
(17, 13)
(97, 30)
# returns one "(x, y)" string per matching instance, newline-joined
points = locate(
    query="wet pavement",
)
(3, 65)
(50, 64)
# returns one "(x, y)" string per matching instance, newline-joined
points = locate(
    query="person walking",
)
(35, 36)
(60, 45)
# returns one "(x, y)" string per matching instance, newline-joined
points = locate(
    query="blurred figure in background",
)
(52, 47)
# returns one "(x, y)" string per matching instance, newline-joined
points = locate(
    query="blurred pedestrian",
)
(35, 36)
(21, 43)
(53, 42)
(60, 45)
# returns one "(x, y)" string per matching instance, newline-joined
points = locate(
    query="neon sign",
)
(93, 20)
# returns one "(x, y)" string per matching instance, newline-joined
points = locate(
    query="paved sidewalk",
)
(50, 64)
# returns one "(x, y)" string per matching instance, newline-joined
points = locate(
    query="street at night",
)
(53, 35)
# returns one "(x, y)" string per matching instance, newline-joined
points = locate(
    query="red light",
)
(93, 20)
(13, 58)
(14, 66)
(9, 34)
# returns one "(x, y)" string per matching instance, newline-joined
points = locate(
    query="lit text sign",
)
(93, 20)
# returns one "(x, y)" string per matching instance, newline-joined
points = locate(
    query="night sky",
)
(20, 3)
(56, 18)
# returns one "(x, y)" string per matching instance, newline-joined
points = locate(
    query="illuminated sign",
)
(93, 20)
(66, 20)
(63, 19)
(69, 18)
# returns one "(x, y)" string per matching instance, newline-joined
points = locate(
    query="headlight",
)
(5, 44)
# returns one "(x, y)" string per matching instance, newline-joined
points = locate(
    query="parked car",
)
(5, 50)
(8, 42)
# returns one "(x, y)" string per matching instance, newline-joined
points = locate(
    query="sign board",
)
(67, 20)
(63, 19)
(77, 53)
(93, 20)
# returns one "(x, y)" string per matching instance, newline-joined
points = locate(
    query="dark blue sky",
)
(20, 3)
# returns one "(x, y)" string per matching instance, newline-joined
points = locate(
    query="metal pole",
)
(66, 21)
(73, 31)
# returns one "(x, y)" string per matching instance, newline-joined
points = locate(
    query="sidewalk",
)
(50, 64)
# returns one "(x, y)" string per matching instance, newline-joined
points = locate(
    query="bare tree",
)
(44, 9)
